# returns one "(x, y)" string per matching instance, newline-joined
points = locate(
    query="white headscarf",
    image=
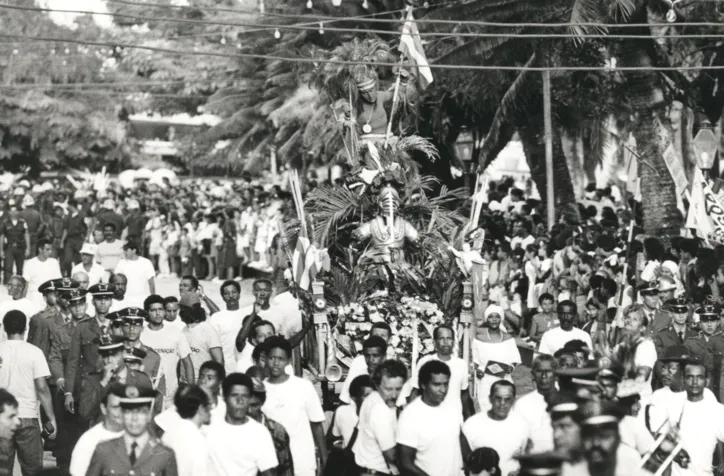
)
(494, 309)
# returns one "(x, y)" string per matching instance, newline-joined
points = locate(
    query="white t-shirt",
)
(172, 346)
(22, 363)
(356, 368)
(458, 379)
(345, 420)
(190, 448)
(701, 427)
(435, 433)
(240, 450)
(28, 307)
(507, 437)
(295, 405)
(201, 339)
(37, 272)
(377, 428)
(532, 408)
(635, 435)
(245, 360)
(86, 445)
(227, 325)
(127, 301)
(96, 274)
(138, 272)
(554, 339)
(109, 254)
(645, 356)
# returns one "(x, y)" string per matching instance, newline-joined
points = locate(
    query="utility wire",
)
(316, 61)
(423, 20)
(320, 27)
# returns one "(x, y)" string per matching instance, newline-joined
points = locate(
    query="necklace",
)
(367, 128)
(487, 333)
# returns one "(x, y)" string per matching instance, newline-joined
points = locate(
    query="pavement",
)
(165, 286)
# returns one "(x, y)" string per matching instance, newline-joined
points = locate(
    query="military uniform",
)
(15, 246)
(152, 361)
(659, 320)
(92, 391)
(39, 329)
(711, 352)
(111, 458)
(83, 357)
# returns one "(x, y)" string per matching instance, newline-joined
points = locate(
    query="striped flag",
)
(411, 46)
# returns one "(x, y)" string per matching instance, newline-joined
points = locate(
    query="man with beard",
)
(457, 397)
(603, 453)
(498, 428)
(257, 455)
(119, 282)
(532, 407)
(700, 422)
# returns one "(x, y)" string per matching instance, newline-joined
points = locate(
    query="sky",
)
(68, 19)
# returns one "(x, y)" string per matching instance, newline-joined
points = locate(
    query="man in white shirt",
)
(110, 251)
(554, 339)
(457, 395)
(227, 322)
(428, 433)
(40, 269)
(293, 402)
(257, 455)
(375, 448)
(23, 373)
(120, 299)
(346, 417)
(171, 305)
(16, 289)
(96, 273)
(204, 341)
(532, 408)
(111, 427)
(186, 440)
(359, 365)
(498, 428)
(169, 343)
(140, 268)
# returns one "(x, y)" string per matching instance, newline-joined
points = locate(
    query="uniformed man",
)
(116, 328)
(39, 326)
(133, 357)
(102, 299)
(657, 317)
(675, 334)
(133, 319)
(14, 242)
(541, 464)
(137, 452)
(71, 425)
(83, 355)
(115, 370)
(603, 452)
(708, 346)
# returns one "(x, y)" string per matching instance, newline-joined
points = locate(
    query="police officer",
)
(137, 452)
(102, 299)
(708, 346)
(115, 370)
(133, 319)
(134, 358)
(675, 334)
(71, 426)
(39, 326)
(15, 241)
(658, 318)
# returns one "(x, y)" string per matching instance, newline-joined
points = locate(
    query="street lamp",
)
(705, 146)
(464, 150)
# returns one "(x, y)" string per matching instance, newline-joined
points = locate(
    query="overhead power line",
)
(477, 67)
(321, 27)
(325, 19)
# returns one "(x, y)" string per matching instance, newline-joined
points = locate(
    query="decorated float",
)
(386, 245)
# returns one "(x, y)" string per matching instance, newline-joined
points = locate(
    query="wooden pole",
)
(548, 127)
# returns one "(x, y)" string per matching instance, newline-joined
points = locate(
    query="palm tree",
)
(642, 96)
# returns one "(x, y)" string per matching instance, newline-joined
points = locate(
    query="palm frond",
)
(330, 206)
(585, 12)
(500, 132)
(480, 49)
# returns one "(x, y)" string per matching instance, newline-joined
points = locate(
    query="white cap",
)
(88, 249)
(28, 201)
(109, 204)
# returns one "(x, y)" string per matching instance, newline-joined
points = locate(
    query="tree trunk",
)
(533, 140)
(661, 217)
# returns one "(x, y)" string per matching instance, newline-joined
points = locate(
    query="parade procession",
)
(361, 238)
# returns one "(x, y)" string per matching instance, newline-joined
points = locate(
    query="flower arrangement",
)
(355, 321)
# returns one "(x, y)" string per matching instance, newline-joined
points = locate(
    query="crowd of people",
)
(114, 378)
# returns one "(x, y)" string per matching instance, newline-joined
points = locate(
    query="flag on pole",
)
(706, 210)
(411, 46)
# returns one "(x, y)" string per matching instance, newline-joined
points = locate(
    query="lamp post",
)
(464, 150)
(705, 146)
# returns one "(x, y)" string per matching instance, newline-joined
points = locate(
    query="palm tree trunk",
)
(661, 216)
(533, 140)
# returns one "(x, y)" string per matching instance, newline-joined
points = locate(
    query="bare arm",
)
(46, 401)
(320, 443)
(152, 285)
(297, 338)
(244, 332)
(217, 354)
(188, 368)
(406, 461)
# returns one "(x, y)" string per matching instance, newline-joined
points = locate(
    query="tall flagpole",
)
(548, 127)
